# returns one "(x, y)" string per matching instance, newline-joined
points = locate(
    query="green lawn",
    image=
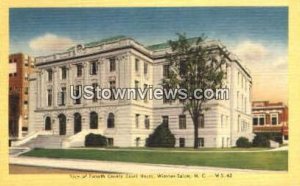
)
(244, 160)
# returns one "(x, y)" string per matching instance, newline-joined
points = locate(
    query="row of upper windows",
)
(182, 121)
(242, 125)
(62, 93)
(15, 75)
(94, 68)
(146, 121)
(26, 62)
(17, 89)
(261, 119)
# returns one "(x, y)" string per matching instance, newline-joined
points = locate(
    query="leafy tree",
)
(194, 65)
(161, 137)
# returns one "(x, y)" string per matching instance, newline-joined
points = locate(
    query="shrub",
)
(261, 140)
(161, 137)
(243, 142)
(275, 136)
(95, 140)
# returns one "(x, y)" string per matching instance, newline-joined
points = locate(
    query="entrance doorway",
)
(62, 124)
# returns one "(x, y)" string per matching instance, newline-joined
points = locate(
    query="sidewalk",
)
(122, 167)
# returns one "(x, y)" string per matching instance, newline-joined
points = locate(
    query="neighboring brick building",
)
(270, 118)
(20, 66)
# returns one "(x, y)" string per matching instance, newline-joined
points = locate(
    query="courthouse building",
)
(122, 62)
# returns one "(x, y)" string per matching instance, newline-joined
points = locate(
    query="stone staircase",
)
(45, 141)
(16, 151)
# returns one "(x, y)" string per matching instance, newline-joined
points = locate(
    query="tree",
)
(194, 65)
(161, 137)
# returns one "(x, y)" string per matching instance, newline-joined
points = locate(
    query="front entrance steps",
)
(45, 141)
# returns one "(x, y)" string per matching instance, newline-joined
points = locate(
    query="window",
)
(165, 120)
(181, 142)
(166, 70)
(201, 121)
(93, 120)
(145, 68)
(165, 98)
(93, 68)
(182, 67)
(242, 81)
(200, 142)
(110, 142)
(274, 119)
(48, 123)
(79, 70)
(242, 101)
(25, 102)
(112, 86)
(63, 72)
(255, 121)
(49, 99)
(182, 122)
(227, 118)
(26, 90)
(245, 105)
(237, 101)
(136, 86)
(146, 95)
(137, 61)
(137, 141)
(111, 120)
(112, 64)
(259, 119)
(262, 120)
(222, 121)
(77, 123)
(238, 78)
(95, 92)
(77, 93)
(147, 122)
(137, 116)
(49, 74)
(239, 123)
(62, 97)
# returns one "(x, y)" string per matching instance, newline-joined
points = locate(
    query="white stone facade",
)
(224, 122)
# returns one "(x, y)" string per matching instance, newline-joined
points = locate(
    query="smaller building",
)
(20, 66)
(271, 119)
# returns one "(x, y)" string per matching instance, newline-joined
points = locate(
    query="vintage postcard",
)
(98, 93)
